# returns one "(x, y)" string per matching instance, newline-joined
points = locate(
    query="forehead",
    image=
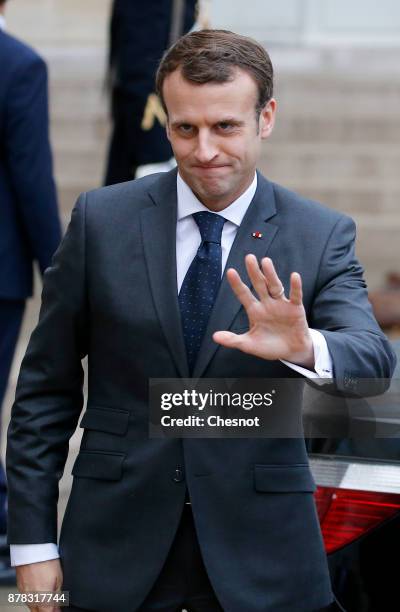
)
(189, 101)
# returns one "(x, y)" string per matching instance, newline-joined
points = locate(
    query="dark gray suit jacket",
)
(111, 294)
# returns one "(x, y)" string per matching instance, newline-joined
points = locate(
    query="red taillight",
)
(347, 514)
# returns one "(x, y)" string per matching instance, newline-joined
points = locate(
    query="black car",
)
(358, 494)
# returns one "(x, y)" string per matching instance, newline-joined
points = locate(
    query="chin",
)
(212, 195)
(216, 189)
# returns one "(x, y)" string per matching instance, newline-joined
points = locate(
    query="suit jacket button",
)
(178, 475)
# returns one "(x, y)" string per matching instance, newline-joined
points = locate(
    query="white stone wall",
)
(310, 22)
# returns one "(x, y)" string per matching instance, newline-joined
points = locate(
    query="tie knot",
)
(210, 226)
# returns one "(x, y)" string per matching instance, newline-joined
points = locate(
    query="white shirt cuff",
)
(22, 554)
(323, 361)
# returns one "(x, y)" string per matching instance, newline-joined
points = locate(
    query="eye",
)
(185, 128)
(225, 126)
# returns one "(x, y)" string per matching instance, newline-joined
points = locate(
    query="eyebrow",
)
(232, 120)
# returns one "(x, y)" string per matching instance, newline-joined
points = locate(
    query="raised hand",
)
(278, 326)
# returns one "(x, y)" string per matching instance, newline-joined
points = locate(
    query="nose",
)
(206, 148)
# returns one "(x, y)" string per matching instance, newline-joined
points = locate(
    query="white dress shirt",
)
(2, 23)
(188, 240)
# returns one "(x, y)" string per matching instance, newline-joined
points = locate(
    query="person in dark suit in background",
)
(29, 222)
(138, 285)
(139, 34)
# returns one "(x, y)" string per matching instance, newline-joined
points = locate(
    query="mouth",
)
(211, 168)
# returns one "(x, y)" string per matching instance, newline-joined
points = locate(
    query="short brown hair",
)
(212, 55)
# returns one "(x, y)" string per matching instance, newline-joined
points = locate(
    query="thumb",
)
(227, 339)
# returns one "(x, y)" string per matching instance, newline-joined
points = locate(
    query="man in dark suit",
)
(29, 224)
(201, 524)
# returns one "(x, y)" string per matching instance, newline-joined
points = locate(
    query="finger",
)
(240, 289)
(256, 276)
(228, 339)
(296, 290)
(274, 283)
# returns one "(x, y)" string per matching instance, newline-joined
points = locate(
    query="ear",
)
(267, 118)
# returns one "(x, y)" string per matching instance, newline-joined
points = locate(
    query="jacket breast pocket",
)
(278, 478)
(102, 465)
(108, 420)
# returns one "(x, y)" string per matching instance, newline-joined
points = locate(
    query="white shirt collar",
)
(189, 204)
(2, 22)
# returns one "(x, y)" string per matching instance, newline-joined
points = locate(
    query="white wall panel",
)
(321, 22)
(265, 20)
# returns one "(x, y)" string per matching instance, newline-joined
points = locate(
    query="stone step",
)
(349, 84)
(343, 130)
(378, 249)
(352, 199)
(87, 104)
(297, 104)
(80, 168)
(329, 184)
(348, 164)
(51, 23)
(373, 63)
(79, 135)
(69, 188)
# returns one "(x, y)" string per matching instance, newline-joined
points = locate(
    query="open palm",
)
(278, 326)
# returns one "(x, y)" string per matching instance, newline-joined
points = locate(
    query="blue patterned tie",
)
(201, 283)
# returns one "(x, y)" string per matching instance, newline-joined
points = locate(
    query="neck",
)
(220, 202)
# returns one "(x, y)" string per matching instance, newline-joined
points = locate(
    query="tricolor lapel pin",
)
(257, 235)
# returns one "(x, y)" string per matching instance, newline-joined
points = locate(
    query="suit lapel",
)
(158, 225)
(227, 305)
